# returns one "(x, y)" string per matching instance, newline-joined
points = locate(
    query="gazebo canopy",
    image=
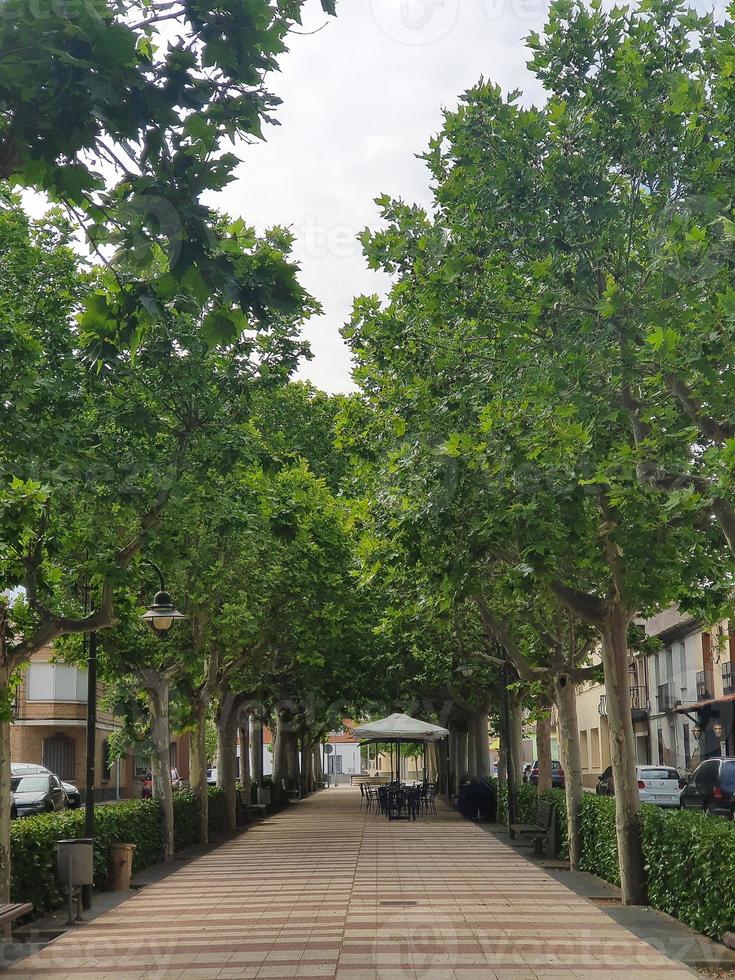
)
(400, 728)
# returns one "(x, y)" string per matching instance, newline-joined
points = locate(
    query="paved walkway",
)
(323, 890)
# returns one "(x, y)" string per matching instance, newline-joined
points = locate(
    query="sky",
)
(361, 97)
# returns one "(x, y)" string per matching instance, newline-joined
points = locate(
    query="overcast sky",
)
(360, 99)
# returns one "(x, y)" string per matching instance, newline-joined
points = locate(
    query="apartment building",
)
(682, 698)
(49, 729)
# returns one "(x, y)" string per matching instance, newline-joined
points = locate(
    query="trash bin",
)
(75, 861)
(264, 795)
(121, 866)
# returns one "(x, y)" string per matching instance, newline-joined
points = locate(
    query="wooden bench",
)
(9, 913)
(256, 809)
(542, 831)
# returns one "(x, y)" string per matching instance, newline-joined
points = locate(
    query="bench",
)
(542, 831)
(9, 913)
(256, 809)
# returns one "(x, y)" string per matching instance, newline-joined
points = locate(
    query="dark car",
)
(73, 796)
(38, 793)
(557, 774)
(711, 788)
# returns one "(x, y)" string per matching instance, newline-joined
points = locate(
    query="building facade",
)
(682, 698)
(49, 729)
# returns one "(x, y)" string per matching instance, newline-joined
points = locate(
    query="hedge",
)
(689, 857)
(33, 841)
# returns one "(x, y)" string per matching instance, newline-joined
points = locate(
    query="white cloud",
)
(361, 98)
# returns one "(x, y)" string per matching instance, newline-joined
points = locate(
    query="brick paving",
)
(325, 890)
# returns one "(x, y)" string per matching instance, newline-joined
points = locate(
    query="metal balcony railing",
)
(638, 701)
(665, 697)
(728, 679)
(705, 687)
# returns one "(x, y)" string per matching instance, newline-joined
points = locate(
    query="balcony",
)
(638, 703)
(665, 697)
(705, 685)
(728, 679)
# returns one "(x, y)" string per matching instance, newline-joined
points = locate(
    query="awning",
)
(401, 728)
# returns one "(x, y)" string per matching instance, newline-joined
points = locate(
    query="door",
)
(58, 796)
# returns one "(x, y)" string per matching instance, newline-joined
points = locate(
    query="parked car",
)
(711, 788)
(212, 776)
(661, 785)
(73, 796)
(557, 774)
(37, 793)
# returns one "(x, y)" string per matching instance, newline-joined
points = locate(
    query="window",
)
(584, 751)
(105, 768)
(595, 748)
(55, 682)
(142, 765)
(58, 756)
(661, 749)
(687, 748)
(335, 763)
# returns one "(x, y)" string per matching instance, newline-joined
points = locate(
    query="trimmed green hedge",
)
(33, 841)
(689, 857)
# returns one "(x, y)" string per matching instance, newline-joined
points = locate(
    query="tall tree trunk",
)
(516, 736)
(571, 759)
(482, 746)
(306, 759)
(198, 769)
(226, 720)
(156, 687)
(461, 758)
(317, 762)
(292, 761)
(543, 748)
(622, 754)
(256, 747)
(471, 750)
(5, 792)
(244, 735)
(280, 757)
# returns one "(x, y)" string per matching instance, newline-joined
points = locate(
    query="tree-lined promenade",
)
(539, 452)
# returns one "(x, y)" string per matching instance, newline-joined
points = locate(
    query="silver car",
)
(661, 785)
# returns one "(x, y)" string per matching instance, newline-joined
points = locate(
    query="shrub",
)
(33, 841)
(597, 837)
(689, 860)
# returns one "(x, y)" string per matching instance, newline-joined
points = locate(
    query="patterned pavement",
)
(326, 890)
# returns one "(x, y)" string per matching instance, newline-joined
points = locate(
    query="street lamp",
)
(161, 615)
(717, 729)
(466, 670)
(697, 730)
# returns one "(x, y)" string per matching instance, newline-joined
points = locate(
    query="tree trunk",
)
(156, 687)
(256, 748)
(244, 735)
(516, 737)
(543, 748)
(461, 758)
(317, 763)
(226, 721)
(622, 755)
(5, 792)
(472, 750)
(307, 757)
(482, 746)
(292, 761)
(280, 759)
(198, 769)
(571, 759)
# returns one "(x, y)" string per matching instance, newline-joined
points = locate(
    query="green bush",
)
(597, 837)
(33, 841)
(689, 861)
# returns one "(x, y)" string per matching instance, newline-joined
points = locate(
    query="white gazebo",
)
(399, 728)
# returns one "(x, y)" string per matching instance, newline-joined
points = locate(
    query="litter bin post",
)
(75, 868)
(121, 867)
